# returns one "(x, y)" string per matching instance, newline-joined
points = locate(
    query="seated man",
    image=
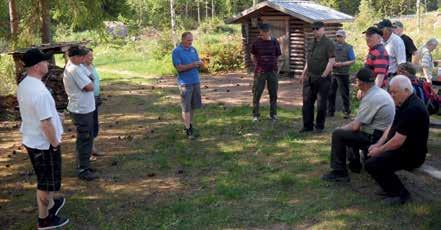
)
(375, 115)
(403, 145)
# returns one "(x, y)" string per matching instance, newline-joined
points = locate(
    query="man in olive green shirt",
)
(316, 78)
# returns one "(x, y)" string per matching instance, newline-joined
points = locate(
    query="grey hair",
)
(432, 42)
(402, 82)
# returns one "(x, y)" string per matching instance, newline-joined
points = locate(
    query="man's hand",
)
(198, 63)
(360, 95)
(55, 144)
(337, 64)
(375, 151)
(376, 145)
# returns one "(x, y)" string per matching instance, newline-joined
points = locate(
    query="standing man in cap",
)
(80, 91)
(344, 57)
(394, 46)
(41, 130)
(187, 62)
(377, 59)
(375, 115)
(408, 42)
(264, 53)
(316, 78)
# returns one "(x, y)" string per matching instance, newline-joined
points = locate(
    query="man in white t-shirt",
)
(394, 46)
(79, 87)
(41, 130)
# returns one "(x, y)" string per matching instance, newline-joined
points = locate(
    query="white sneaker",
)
(255, 119)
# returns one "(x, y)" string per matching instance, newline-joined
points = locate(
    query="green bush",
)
(7, 76)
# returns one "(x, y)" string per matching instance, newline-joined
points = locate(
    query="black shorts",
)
(47, 167)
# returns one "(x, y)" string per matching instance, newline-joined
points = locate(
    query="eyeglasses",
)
(315, 28)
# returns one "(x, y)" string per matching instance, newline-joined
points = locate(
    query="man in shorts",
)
(41, 130)
(187, 63)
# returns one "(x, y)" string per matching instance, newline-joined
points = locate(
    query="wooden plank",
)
(430, 171)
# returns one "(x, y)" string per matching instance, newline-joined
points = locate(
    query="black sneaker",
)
(87, 175)
(58, 204)
(336, 176)
(51, 222)
(346, 115)
(189, 133)
(397, 200)
(317, 130)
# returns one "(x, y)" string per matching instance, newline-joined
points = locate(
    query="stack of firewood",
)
(54, 82)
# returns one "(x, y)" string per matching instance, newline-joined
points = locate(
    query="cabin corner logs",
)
(292, 33)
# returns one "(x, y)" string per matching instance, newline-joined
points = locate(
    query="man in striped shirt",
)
(378, 58)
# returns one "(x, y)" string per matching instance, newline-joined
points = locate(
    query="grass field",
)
(236, 175)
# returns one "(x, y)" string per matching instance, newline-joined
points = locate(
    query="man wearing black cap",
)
(394, 46)
(41, 130)
(264, 53)
(375, 115)
(80, 91)
(316, 78)
(377, 59)
(408, 42)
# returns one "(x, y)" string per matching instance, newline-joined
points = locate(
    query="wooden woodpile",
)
(54, 83)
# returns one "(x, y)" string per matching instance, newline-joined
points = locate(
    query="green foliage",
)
(7, 79)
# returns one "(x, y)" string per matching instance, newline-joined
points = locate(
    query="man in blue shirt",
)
(187, 63)
(344, 58)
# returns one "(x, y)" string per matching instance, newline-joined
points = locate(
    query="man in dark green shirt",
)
(316, 78)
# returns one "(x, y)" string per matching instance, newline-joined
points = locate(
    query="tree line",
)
(38, 18)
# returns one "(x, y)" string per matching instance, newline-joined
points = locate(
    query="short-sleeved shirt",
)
(410, 47)
(343, 53)
(36, 104)
(266, 53)
(426, 60)
(185, 56)
(412, 120)
(396, 51)
(318, 55)
(76, 77)
(377, 60)
(96, 79)
(376, 111)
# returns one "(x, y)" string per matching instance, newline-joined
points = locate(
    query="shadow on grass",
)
(235, 175)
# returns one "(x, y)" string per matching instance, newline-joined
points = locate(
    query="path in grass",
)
(236, 175)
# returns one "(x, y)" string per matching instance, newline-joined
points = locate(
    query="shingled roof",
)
(308, 11)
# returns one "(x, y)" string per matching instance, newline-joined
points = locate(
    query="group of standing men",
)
(42, 125)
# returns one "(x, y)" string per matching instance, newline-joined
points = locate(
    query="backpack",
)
(425, 92)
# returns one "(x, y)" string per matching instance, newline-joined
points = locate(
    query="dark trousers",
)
(84, 143)
(342, 140)
(342, 82)
(96, 123)
(260, 79)
(316, 90)
(382, 168)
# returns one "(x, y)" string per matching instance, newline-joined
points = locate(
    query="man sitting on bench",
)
(375, 115)
(403, 145)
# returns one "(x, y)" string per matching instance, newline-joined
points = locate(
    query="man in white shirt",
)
(394, 46)
(41, 130)
(79, 87)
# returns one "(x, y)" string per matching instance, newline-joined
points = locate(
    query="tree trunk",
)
(199, 12)
(206, 9)
(173, 21)
(212, 10)
(254, 3)
(186, 8)
(45, 27)
(234, 7)
(13, 19)
(418, 14)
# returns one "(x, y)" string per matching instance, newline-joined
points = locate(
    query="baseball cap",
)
(373, 30)
(341, 33)
(34, 56)
(318, 25)
(77, 51)
(385, 23)
(264, 27)
(397, 24)
(365, 75)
